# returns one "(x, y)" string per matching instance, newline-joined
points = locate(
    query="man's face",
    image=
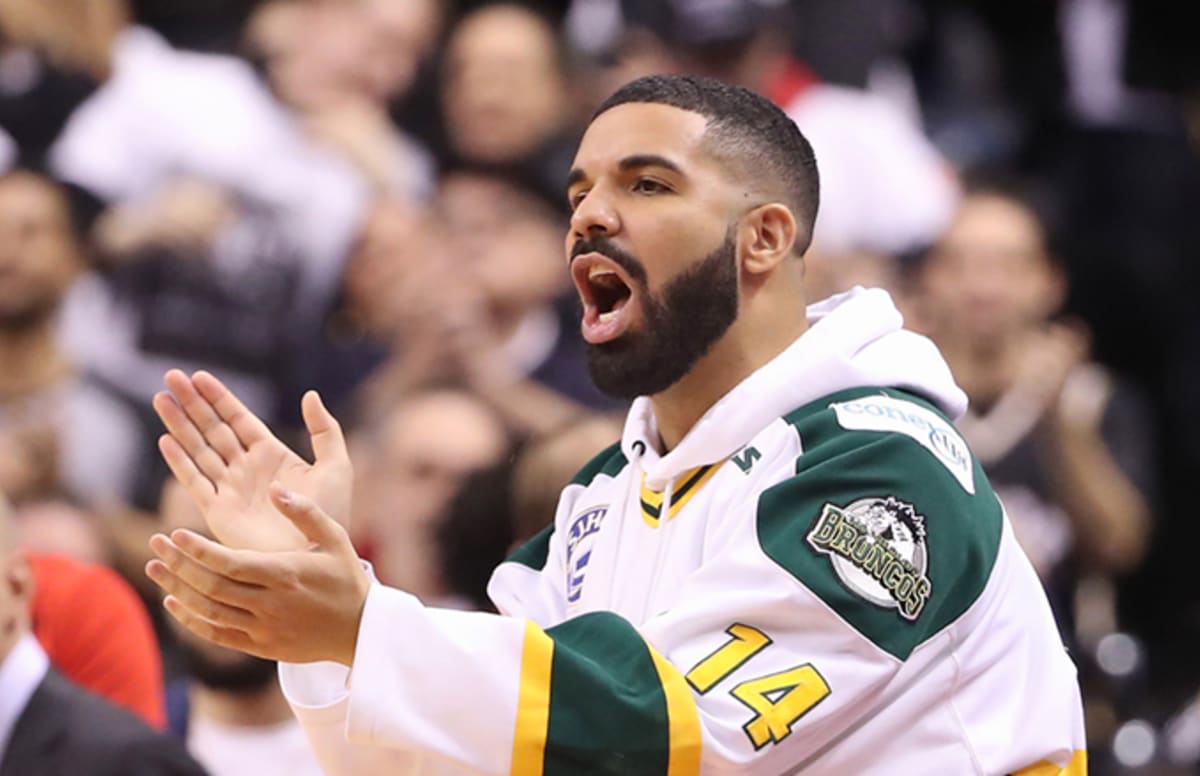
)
(38, 253)
(989, 277)
(651, 247)
(503, 91)
(16, 583)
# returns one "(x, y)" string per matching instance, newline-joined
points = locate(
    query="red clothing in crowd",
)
(97, 633)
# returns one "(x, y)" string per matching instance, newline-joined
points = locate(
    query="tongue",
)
(598, 327)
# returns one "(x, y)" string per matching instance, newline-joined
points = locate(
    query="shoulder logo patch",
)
(883, 413)
(878, 550)
(580, 537)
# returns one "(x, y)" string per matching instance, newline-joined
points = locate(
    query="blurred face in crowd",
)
(395, 278)
(39, 255)
(651, 246)
(318, 55)
(16, 583)
(503, 239)
(503, 93)
(405, 33)
(428, 444)
(989, 277)
(219, 668)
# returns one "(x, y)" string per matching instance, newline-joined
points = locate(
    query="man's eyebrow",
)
(632, 162)
(637, 161)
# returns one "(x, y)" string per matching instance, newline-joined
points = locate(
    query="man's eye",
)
(649, 186)
(576, 199)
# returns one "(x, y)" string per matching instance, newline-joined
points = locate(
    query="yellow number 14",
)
(778, 700)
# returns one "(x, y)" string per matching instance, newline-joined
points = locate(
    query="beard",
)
(27, 315)
(244, 675)
(681, 324)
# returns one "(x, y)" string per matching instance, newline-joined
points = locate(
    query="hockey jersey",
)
(817, 579)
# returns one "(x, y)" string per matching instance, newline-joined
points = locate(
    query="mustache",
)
(602, 245)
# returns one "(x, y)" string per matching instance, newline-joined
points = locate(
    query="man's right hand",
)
(227, 458)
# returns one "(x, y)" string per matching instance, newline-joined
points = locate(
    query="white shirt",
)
(239, 750)
(20, 674)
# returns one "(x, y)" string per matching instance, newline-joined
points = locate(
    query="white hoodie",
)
(817, 578)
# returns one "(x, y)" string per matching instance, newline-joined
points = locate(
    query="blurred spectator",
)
(60, 429)
(475, 532)
(508, 245)
(415, 457)
(228, 707)
(227, 225)
(503, 328)
(884, 187)
(504, 97)
(53, 56)
(1066, 445)
(547, 463)
(96, 631)
(49, 725)
(336, 66)
(58, 527)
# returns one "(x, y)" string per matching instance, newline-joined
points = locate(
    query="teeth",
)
(608, 316)
(597, 271)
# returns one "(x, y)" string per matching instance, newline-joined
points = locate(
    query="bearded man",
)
(710, 597)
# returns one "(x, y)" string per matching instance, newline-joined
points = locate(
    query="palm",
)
(227, 460)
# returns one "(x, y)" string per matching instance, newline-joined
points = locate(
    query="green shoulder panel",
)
(609, 461)
(534, 552)
(608, 711)
(888, 519)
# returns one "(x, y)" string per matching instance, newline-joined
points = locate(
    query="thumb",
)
(318, 527)
(328, 443)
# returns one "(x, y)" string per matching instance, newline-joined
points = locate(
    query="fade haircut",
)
(746, 131)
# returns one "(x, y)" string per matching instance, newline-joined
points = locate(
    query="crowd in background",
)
(366, 197)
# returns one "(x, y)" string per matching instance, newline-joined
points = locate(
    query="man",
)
(48, 726)
(789, 563)
(59, 431)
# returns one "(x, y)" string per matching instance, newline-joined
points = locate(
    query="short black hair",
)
(744, 127)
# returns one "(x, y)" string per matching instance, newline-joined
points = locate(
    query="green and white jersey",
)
(818, 579)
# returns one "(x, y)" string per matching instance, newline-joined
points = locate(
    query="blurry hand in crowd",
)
(1047, 357)
(186, 217)
(226, 458)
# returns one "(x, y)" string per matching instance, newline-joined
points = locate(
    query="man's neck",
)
(734, 358)
(29, 361)
(259, 708)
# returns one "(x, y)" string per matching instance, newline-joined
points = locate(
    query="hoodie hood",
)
(855, 339)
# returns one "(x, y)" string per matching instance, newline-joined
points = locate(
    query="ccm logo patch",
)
(580, 538)
(883, 413)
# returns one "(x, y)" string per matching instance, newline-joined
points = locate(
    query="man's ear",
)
(768, 235)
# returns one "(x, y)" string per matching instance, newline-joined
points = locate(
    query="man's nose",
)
(594, 215)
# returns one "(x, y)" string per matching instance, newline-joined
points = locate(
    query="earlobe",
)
(772, 235)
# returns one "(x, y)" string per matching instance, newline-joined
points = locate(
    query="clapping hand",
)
(227, 458)
(283, 581)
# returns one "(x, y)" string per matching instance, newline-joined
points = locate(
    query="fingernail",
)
(287, 497)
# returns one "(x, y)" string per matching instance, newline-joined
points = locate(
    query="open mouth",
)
(605, 291)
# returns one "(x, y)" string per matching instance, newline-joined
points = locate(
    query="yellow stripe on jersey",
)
(1077, 767)
(533, 704)
(690, 487)
(683, 719)
(691, 482)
